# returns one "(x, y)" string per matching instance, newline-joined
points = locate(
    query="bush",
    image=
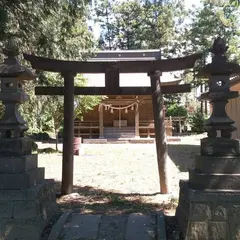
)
(197, 122)
(47, 150)
(42, 136)
(176, 110)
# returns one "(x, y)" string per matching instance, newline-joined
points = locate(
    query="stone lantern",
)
(12, 75)
(27, 200)
(209, 203)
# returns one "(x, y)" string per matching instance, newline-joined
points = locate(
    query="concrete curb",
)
(57, 228)
(161, 229)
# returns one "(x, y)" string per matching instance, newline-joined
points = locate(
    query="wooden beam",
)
(67, 162)
(112, 83)
(165, 65)
(121, 91)
(160, 134)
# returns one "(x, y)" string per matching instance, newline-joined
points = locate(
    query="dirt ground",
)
(122, 177)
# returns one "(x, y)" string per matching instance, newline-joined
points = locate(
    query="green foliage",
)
(234, 2)
(176, 110)
(196, 121)
(207, 24)
(53, 28)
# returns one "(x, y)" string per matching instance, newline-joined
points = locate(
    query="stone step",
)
(134, 226)
(21, 180)
(200, 181)
(226, 165)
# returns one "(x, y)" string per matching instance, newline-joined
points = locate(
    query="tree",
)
(45, 27)
(49, 28)
(139, 24)
(206, 24)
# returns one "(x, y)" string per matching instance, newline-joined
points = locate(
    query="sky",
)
(189, 3)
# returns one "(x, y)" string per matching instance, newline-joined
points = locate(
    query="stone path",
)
(134, 226)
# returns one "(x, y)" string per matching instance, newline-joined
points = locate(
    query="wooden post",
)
(180, 125)
(101, 122)
(67, 163)
(137, 120)
(160, 134)
(119, 117)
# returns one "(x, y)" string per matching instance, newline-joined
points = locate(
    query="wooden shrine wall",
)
(145, 114)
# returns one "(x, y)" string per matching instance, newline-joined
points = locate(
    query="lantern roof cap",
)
(11, 67)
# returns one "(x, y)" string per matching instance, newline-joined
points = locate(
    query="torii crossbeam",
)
(112, 63)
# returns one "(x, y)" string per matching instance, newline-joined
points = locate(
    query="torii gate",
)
(112, 63)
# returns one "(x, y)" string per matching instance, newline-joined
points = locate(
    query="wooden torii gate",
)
(112, 63)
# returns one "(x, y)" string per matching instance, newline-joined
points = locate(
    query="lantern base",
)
(25, 213)
(208, 214)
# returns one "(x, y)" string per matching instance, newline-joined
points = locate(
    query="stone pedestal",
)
(27, 201)
(208, 214)
(25, 213)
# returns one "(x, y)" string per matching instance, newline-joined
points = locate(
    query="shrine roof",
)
(128, 62)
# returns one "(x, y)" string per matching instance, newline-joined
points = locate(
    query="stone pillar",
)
(209, 203)
(27, 200)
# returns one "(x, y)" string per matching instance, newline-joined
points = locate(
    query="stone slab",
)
(6, 209)
(18, 164)
(21, 180)
(95, 141)
(81, 227)
(112, 227)
(57, 228)
(21, 229)
(213, 181)
(207, 164)
(141, 227)
(161, 229)
(11, 147)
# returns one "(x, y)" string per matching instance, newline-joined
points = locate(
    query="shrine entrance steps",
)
(119, 132)
(127, 140)
(134, 226)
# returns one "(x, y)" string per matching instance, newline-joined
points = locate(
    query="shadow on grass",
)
(98, 201)
(183, 155)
